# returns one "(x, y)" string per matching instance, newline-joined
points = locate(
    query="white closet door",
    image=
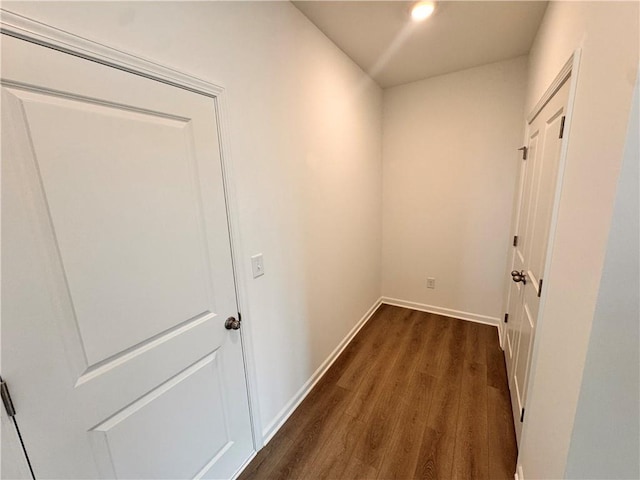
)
(536, 204)
(116, 274)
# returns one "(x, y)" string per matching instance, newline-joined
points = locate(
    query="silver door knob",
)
(232, 323)
(519, 276)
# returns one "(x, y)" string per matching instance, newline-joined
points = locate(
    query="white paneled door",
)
(116, 274)
(537, 192)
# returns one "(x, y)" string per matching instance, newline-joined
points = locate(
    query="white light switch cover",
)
(257, 265)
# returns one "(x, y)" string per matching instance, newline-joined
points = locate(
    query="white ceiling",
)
(381, 38)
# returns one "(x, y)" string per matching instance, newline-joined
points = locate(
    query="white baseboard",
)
(500, 335)
(244, 465)
(282, 416)
(447, 312)
(519, 475)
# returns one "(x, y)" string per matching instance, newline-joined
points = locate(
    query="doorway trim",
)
(570, 71)
(48, 36)
(570, 67)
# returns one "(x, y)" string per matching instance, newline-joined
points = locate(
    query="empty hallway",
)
(223, 223)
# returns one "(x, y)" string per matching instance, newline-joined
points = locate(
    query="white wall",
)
(606, 435)
(608, 34)
(450, 161)
(305, 146)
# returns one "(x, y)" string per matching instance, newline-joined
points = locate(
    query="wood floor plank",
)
(471, 452)
(319, 427)
(402, 454)
(267, 460)
(496, 367)
(503, 452)
(334, 456)
(430, 463)
(476, 342)
(439, 439)
(358, 470)
(414, 395)
(296, 424)
(366, 354)
(380, 412)
(350, 357)
(315, 401)
(390, 394)
(433, 348)
(378, 370)
(452, 359)
(437, 448)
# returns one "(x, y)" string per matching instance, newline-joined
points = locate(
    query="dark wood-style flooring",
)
(414, 395)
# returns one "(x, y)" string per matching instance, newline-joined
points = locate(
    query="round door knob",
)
(519, 276)
(232, 323)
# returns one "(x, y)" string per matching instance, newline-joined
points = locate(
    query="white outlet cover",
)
(257, 265)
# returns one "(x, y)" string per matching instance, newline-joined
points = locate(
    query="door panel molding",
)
(147, 345)
(48, 36)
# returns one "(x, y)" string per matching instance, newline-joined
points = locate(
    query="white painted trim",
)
(501, 333)
(447, 312)
(243, 466)
(301, 394)
(519, 475)
(554, 87)
(36, 32)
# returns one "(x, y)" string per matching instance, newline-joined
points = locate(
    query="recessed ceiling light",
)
(422, 10)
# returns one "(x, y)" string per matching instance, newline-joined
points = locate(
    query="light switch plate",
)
(257, 265)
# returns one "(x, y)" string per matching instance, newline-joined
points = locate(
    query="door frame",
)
(569, 71)
(48, 36)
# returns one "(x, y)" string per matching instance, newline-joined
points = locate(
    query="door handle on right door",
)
(519, 276)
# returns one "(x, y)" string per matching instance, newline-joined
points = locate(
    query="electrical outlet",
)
(257, 265)
(431, 282)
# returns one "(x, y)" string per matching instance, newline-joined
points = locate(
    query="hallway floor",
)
(414, 395)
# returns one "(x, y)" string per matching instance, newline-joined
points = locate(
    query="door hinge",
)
(6, 399)
(562, 127)
(524, 152)
(540, 288)
(506, 318)
(515, 240)
(522, 416)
